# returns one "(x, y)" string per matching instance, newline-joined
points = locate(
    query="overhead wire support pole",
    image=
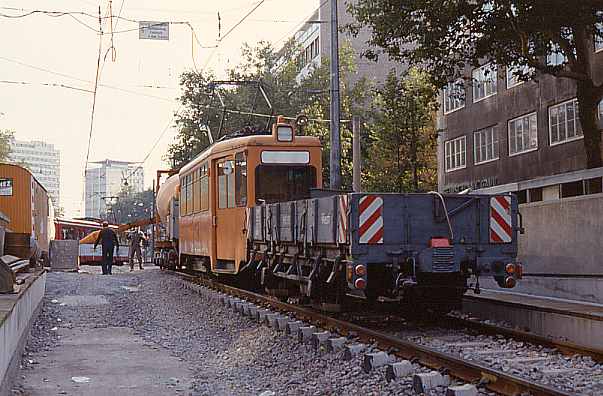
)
(335, 157)
(100, 46)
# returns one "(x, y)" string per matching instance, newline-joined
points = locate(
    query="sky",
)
(130, 116)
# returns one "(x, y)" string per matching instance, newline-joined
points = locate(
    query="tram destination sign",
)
(150, 30)
(6, 187)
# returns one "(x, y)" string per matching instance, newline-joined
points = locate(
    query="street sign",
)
(149, 30)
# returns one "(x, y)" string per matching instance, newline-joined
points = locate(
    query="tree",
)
(5, 138)
(278, 72)
(442, 37)
(402, 151)
(130, 206)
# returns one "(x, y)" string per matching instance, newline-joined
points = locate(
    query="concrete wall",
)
(14, 328)
(562, 249)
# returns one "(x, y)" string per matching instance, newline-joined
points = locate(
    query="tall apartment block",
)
(44, 162)
(104, 181)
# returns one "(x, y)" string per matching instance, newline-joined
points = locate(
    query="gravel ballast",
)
(226, 353)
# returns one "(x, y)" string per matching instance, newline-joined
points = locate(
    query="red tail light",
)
(360, 284)
(510, 282)
(360, 270)
(510, 268)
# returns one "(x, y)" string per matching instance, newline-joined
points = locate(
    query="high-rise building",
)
(314, 40)
(105, 180)
(44, 162)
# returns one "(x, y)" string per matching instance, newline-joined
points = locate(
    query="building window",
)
(555, 57)
(523, 134)
(564, 125)
(484, 82)
(456, 153)
(454, 97)
(513, 79)
(601, 110)
(485, 143)
(599, 37)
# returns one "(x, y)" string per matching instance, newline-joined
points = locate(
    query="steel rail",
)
(565, 347)
(471, 372)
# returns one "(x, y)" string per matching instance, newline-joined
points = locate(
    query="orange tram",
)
(251, 208)
(217, 187)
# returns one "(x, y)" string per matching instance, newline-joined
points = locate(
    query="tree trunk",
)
(588, 108)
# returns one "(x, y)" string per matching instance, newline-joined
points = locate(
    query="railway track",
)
(473, 352)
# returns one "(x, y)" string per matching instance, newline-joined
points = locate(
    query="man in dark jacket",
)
(108, 241)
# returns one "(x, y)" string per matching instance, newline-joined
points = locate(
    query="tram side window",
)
(196, 192)
(189, 194)
(204, 187)
(183, 196)
(226, 196)
(241, 179)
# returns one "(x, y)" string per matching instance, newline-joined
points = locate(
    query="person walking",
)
(138, 238)
(108, 240)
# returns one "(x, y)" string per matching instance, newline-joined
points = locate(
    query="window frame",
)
(598, 40)
(511, 69)
(556, 52)
(451, 143)
(204, 181)
(241, 190)
(182, 202)
(494, 69)
(533, 113)
(445, 97)
(230, 184)
(577, 125)
(496, 145)
(196, 192)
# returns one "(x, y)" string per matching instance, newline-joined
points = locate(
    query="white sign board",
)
(6, 187)
(149, 30)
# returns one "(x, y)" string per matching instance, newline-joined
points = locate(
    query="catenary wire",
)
(57, 85)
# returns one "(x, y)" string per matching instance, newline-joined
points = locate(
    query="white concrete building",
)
(105, 179)
(314, 40)
(43, 160)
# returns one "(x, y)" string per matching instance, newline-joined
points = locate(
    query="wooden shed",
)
(26, 203)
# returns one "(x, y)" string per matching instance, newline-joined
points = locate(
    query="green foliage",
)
(5, 137)
(443, 37)
(402, 151)
(130, 206)
(278, 71)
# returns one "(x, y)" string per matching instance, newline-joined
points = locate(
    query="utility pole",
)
(356, 157)
(335, 157)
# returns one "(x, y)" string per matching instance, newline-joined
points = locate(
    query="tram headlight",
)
(284, 133)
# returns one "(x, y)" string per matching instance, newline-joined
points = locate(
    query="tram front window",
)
(277, 183)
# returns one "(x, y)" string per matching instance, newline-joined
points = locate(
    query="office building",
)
(44, 162)
(105, 180)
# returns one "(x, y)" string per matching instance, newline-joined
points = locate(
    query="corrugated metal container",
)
(25, 201)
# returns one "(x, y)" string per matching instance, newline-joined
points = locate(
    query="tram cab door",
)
(229, 212)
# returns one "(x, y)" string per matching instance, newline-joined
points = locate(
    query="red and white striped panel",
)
(501, 228)
(342, 224)
(370, 222)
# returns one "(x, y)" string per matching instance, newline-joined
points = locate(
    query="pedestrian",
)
(108, 240)
(138, 238)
